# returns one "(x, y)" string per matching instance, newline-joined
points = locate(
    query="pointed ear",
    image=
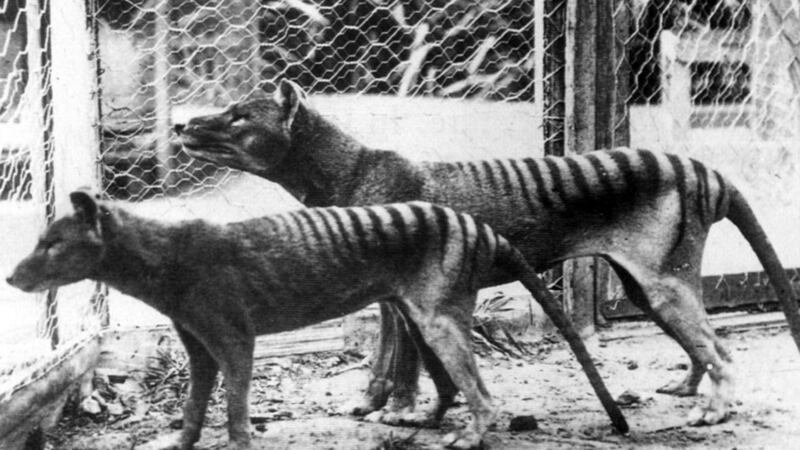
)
(290, 96)
(85, 207)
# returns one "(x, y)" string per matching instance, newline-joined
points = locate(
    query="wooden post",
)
(619, 33)
(553, 26)
(580, 137)
(612, 126)
(593, 106)
(76, 116)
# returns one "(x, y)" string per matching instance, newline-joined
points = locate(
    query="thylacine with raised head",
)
(222, 285)
(647, 213)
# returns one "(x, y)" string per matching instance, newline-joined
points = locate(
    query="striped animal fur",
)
(222, 285)
(647, 213)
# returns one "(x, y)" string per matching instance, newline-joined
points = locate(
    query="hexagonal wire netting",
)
(432, 79)
(719, 81)
(37, 331)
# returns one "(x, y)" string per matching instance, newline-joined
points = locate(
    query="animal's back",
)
(548, 206)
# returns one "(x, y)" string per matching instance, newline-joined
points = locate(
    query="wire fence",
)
(433, 79)
(719, 81)
(36, 330)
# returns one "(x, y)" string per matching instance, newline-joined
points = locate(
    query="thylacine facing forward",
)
(223, 285)
(647, 213)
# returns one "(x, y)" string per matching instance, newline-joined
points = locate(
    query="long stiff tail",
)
(512, 261)
(740, 213)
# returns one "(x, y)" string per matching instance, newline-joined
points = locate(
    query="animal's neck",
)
(140, 258)
(323, 159)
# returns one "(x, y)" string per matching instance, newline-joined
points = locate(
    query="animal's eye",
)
(52, 247)
(239, 119)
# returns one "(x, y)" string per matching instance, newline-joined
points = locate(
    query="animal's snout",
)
(179, 127)
(10, 279)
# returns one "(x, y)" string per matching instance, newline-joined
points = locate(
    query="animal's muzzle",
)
(178, 128)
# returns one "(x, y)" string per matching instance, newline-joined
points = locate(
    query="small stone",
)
(176, 424)
(90, 406)
(629, 398)
(632, 365)
(678, 366)
(261, 427)
(523, 423)
(115, 409)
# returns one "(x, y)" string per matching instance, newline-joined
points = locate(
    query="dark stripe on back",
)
(341, 230)
(680, 183)
(523, 185)
(536, 174)
(555, 174)
(508, 189)
(337, 249)
(481, 240)
(473, 170)
(465, 246)
(580, 178)
(307, 215)
(421, 234)
(602, 173)
(399, 224)
(377, 225)
(358, 229)
(443, 224)
(702, 189)
(723, 192)
(298, 223)
(651, 169)
(624, 166)
(489, 175)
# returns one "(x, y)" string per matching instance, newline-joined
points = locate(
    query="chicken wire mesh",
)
(37, 331)
(719, 80)
(433, 79)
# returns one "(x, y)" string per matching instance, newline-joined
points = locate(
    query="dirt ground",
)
(298, 401)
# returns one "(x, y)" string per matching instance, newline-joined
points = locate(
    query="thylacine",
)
(647, 213)
(222, 285)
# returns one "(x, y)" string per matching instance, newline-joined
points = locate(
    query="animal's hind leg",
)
(445, 387)
(676, 306)
(395, 368)
(449, 339)
(681, 388)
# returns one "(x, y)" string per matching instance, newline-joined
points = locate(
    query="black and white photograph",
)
(399, 224)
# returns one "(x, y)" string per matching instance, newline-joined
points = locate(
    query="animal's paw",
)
(678, 389)
(395, 416)
(707, 415)
(419, 420)
(463, 441)
(359, 408)
(375, 416)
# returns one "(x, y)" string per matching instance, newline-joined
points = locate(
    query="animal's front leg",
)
(237, 367)
(203, 372)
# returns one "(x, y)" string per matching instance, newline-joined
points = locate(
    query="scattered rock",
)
(261, 427)
(115, 409)
(629, 398)
(678, 366)
(91, 406)
(523, 423)
(176, 424)
(632, 365)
